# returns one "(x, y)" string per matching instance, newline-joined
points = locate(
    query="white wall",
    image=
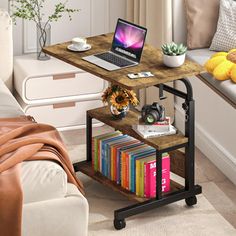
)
(214, 127)
(96, 17)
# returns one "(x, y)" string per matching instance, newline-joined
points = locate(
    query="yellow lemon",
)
(214, 62)
(221, 72)
(222, 65)
(233, 73)
(219, 54)
(232, 50)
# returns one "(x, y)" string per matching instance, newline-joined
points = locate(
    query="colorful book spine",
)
(115, 151)
(108, 146)
(93, 151)
(96, 145)
(112, 156)
(129, 168)
(125, 154)
(150, 176)
(137, 182)
(118, 159)
(146, 152)
(105, 143)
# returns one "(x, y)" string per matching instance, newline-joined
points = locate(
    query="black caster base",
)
(191, 201)
(119, 224)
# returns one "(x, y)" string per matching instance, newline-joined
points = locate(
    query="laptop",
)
(126, 49)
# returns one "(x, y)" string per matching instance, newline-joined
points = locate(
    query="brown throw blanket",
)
(21, 139)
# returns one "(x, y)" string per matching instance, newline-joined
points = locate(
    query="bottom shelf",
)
(86, 168)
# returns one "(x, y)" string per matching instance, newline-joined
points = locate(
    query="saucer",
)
(85, 48)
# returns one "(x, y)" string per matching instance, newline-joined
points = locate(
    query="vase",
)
(173, 61)
(119, 114)
(43, 40)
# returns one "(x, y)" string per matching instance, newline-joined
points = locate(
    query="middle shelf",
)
(125, 126)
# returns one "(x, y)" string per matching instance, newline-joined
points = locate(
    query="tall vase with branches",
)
(33, 10)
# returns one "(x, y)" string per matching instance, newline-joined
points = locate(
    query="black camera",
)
(153, 113)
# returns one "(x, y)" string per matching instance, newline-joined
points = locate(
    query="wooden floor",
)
(217, 188)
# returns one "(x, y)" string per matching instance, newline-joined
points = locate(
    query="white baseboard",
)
(209, 146)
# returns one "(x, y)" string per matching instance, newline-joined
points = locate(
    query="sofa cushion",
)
(227, 87)
(202, 17)
(8, 104)
(225, 36)
(42, 180)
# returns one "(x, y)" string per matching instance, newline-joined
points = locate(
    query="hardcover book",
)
(113, 151)
(150, 176)
(130, 169)
(108, 151)
(96, 148)
(118, 158)
(127, 152)
(103, 156)
(153, 134)
(159, 126)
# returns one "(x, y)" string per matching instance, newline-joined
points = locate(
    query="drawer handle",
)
(63, 105)
(64, 76)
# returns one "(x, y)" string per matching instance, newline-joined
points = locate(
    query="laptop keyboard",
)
(118, 61)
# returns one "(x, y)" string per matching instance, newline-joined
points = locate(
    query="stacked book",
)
(130, 163)
(157, 129)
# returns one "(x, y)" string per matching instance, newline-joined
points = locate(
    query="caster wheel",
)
(191, 201)
(119, 224)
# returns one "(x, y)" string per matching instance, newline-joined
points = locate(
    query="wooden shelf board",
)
(125, 126)
(86, 168)
(151, 61)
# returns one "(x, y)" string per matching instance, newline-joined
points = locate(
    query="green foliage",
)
(173, 49)
(32, 10)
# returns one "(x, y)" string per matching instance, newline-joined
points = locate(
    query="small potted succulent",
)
(173, 54)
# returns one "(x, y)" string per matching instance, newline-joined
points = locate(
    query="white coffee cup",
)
(79, 42)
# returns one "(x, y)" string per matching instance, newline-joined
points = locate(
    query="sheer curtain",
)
(156, 16)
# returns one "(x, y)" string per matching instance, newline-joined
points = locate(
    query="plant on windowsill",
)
(173, 54)
(32, 10)
(119, 99)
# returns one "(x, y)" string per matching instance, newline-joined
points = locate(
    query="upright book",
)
(113, 151)
(103, 153)
(96, 148)
(150, 175)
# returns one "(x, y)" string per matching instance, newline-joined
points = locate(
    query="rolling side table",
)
(182, 164)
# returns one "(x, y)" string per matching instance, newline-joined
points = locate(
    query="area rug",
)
(173, 220)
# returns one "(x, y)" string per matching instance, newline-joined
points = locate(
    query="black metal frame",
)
(190, 190)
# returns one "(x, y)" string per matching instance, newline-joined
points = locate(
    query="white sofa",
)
(215, 115)
(52, 207)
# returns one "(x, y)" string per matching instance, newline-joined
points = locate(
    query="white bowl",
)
(173, 61)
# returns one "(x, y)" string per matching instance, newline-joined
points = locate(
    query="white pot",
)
(173, 61)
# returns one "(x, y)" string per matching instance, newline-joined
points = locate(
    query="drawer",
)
(39, 82)
(63, 115)
(62, 85)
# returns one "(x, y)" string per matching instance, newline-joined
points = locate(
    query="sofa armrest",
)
(58, 217)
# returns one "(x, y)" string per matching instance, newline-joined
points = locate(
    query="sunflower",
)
(132, 97)
(106, 94)
(119, 100)
(223, 65)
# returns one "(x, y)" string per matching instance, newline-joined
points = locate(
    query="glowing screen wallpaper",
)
(129, 40)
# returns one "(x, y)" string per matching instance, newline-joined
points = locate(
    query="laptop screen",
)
(129, 40)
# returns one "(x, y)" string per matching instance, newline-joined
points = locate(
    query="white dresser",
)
(56, 93)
